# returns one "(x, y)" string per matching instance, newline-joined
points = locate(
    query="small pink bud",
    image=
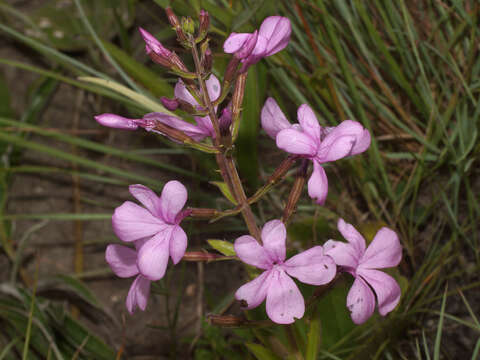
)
(170, 104)
(152, 44)
(116, 121)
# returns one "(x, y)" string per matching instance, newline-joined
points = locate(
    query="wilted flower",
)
(384, 251)
(154, 228)
(284, 299)
(309, 140)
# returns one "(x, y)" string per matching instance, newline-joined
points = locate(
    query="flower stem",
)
(224, 159)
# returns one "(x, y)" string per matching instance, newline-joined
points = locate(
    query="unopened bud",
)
(204, 25)
(225, 121)
(173, 19)
(117, 121)
(188, 25)
(207, 60)
(154, 48)
(170, 104)
(231, 70)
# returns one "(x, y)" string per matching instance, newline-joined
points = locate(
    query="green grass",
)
(409, 74)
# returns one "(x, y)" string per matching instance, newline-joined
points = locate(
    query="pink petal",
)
(172, 200)
(308, 121)
(116, 121)
(284, 301)
(195, 132)
(277, 30)
(255, 291)
(362, 143)
(131, 222)
(146, 197)
(213, 87)
(353, 128)
(273, 119)
(387, 289)
(178, 244)
(205, 125)
(335, 150)
(343, 254)
(181, 92)
(353, 237)
(274, 235)
(138, 294)
(296, 142)
(235, 42)
(153, 255)
(348, 128)
(383, 252)
(311, 267)
(250, 252)
(258, 52)
(360, 301)
(122, 260)
(318, 184)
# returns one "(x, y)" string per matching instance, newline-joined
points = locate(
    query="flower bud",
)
(170, 104)
(188, 26)
(204, 25)
(157, 52)
(207, 58)
(225, 121)
(117, 121)
(172, 18)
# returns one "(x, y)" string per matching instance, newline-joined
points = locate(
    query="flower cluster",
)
(156, 234)
(154, 229)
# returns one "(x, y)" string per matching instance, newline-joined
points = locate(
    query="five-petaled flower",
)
(272, 37)
(383, 252)
(284, 300)
(154, 228)
(309, 140)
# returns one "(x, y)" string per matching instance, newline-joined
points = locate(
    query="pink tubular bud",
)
(225, 121)
(170, 104)
(153, 45)
(204, 25)
(117, 122)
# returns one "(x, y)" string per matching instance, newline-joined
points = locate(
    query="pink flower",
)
(384, 251)
(154, 228)
(204, 127)
(284, 300)
(309, 140)
(123, 262)
(272, 37)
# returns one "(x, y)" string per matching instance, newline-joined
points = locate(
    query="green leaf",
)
(261, 352)
(223, 247)
(313, 339)
(225, 191)
(142, 100)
